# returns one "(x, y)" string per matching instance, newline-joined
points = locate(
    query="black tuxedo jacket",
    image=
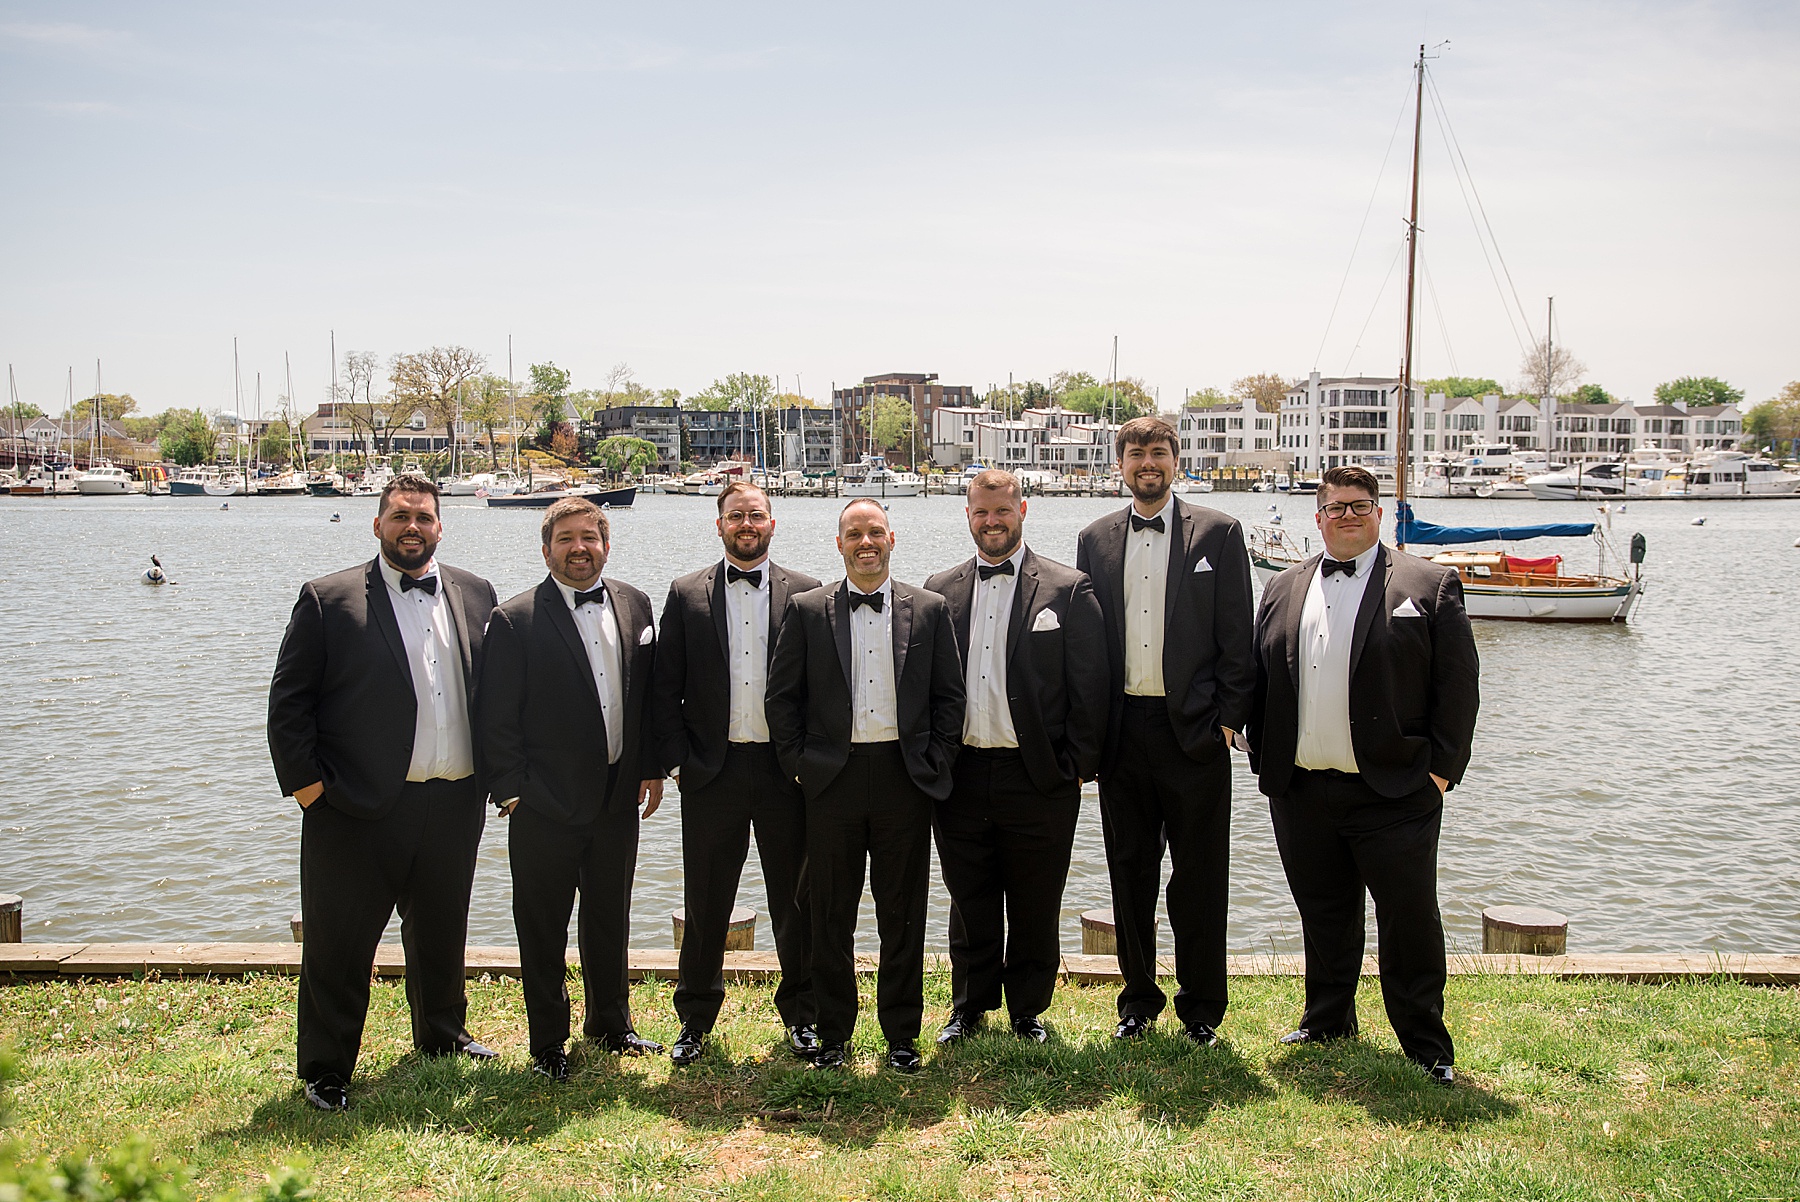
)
(539, 719)
(691, 706)
(1415, 682)
(1055, 675)
(809, 699)
(341, 705)
(1209, 672)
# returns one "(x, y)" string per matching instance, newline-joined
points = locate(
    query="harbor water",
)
(1643, 779)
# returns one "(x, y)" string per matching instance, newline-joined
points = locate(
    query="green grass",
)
(1570, 1090)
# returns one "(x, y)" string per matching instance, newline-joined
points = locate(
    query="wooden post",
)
(740, 934)
(12, 918)
(1098, 936)
(295, 926)
(1523, 931)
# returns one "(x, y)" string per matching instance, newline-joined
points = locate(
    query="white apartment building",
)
(1226, 436)
(1051, 439)
(953, 433)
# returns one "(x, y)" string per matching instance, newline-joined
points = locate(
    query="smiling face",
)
(576, 551)
(409, 530)
(866, 544)
(746, 526)
(996, 520)
(1350, 535)
(1148, 469)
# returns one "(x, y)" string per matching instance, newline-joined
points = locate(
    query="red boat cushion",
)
(1533, 567)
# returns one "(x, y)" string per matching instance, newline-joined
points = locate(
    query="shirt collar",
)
(392, 574)
(1363, 562)
(1167, 502)
(569, 594)
(1016, 559)
(886, 590)
(761, 565)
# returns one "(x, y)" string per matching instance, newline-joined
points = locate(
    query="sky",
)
(822, 192)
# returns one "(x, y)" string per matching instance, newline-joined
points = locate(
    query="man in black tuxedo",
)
(1174, 583)
(719, 629)
(564, 727)
(369, 731)
(1367, 687)
(865, 708)
(1034, 656)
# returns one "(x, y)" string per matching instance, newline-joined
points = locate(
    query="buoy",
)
(337, 517)
(1276, 520)
(1698, 522)
(154, 573)
(224, 504)
(1797, 542)
(1621, 507)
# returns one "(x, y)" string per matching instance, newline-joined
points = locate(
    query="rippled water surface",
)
(1643, 780)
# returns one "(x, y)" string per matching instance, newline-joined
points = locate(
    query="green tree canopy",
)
(623, 453)
(1775, 423)
(1460, 386)
(737, 390)
(20, 411)
(1591, 394)
(1698, 390)
(893, 425)
(1130, 396)
(549, 397)
(1209, 398)
(188, 438)
(113, 406)
(277, 442)
(1265, 389)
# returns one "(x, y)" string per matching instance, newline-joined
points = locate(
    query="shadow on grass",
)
(1386, 1085)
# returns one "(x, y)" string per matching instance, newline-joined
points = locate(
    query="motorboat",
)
(543, 498)
(872, 477)
(326, 484)
(233, 485)
(1731, 474)
(287, 484)
(1490, 472)
(104, 479)
(1582, 482)
(48, 480)
(192, 481)
(1192, 487)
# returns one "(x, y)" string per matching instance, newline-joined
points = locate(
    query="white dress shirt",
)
(598, 623)
(874, 704)
(1146, 582)
(747, 639)
(443, 748)
(987, 719)
(1327, 628)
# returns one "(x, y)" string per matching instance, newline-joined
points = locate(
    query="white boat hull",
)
(1518, 603)
(102, 486)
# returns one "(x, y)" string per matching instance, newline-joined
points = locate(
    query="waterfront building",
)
(796, 438)
(1232, 435)
(919, 389)
(1050, 439)
(953, 433)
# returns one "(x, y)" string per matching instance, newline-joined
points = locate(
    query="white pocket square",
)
(1406, 609)
(1204, 565)
(648, 637)
(1046, 620)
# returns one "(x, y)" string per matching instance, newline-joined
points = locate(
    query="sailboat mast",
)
(94, 448)
(1402, 460)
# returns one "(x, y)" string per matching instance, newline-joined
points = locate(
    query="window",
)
(1365, 421)
(1431, 421)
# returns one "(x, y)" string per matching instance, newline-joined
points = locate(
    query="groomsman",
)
(1367, 687)
(1034, 659)
(1174, 583)
(719, 629)
(865, 708)
(369, 732)
(564, 726)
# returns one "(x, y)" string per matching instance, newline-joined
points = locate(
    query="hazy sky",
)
(835, 190)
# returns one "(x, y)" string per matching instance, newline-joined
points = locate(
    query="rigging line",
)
(1439, 107)
(1438, 308)
(1379, 293)
(1480, 241)
(1360, 229)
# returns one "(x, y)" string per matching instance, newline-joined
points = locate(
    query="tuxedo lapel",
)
(459, 617)
(961, 596)
(556, 610)
(1295, 601)
(778, 598)
(1111, 549)
(903, 616)
(1373, 599)
(838, 612)
(628, 622)
(1023, 592)
(1181, 527)
(715, 592)
(381, 612)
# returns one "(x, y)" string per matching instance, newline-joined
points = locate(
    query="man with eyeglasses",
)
(1367, 687)
(719, 628)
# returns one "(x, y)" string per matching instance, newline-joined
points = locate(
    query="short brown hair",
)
(737, 486)
(860, 501)
(570, 507)
(996, 477)
(409, 482)
(1146, 432)
(1350, 476)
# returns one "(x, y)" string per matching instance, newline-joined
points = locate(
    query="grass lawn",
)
(1570, 1090)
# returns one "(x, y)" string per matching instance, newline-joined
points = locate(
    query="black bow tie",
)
(988, 570)
(1332, 566)
(1138, 523)
(409, 583)
(597, 595)
(858, 600)
(733, 575)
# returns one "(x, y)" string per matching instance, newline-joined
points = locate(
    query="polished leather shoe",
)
(962, 1024)
(829, 1055)
(1442, 1074)
(1030, 1028)
(1305, 1036)
(904, 1059)
(631, 1044)
(1203, 1035)
(803, 1040)
(687, 1046)
(328, 1093)
(1133, 1026)
(553, 1064)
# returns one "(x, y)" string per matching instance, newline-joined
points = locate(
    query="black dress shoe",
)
(630, 1043)
(1133, 1026)
(803, 1040)
(553, 1064)
(1442, 1074)
(829, 1055)
(328, 1093)
(687, 1045)
(1030, 1028)
(1203, 1035)
(1303, 1035)
(902, 1058)
(962, 1024)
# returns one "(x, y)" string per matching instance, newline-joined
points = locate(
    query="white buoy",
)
(1797, 542)
(154, 573)
(1621, 507)
(1276, 520)
(1698, 522)
(224, 504)
(337, 517)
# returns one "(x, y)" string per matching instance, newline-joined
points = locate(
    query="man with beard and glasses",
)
(369, 731)
(719, 629)
(865, 708)
(564, 723)
(1174, 583)
(1034, 656)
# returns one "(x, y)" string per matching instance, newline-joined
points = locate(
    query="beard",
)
(749, 546)
(1144, 491)
(1009, 541)
(408, 558)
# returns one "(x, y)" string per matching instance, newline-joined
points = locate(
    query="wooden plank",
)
(35, 957)
(182, 959)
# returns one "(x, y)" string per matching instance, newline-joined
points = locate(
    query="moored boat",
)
(104, 479)
(606, 498)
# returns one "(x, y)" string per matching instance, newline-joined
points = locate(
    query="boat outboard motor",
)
(1639, 548)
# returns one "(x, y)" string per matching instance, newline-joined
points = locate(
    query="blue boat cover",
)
(1409, 529)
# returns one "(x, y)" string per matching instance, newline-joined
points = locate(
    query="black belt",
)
(1135, 702)
(992, 753)
(1334, 773)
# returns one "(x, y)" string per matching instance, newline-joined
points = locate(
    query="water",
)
(1641, 779)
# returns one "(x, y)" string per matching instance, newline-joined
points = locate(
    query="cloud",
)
(61, 34)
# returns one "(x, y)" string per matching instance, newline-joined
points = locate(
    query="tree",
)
(1591, 394)
(563, 443)
(486, 405)
(1064, 382)
(1546, 372)
(623, 453)
(1266, 390)
(434, 381)
(188, 438)
(277, 442)
(549, 396)
(354, 396)
(1127, 398)
(21, 412)
(1698, 390)
(1460, 386)
(1774, 425)
(112, 407)
(1006, 401)
(739, 390)
(1209, 398)
(893, 425)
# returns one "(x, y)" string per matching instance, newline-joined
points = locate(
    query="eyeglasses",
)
(1337, 509)
(738, 517)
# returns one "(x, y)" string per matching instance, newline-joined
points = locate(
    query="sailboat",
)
(1496, 583)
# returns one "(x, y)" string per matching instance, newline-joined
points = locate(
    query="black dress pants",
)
(1339, 837)
(872, 813)
(750, 794)
(1004, 849)
(1156, 798)
(354, 873)
(551, 861)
